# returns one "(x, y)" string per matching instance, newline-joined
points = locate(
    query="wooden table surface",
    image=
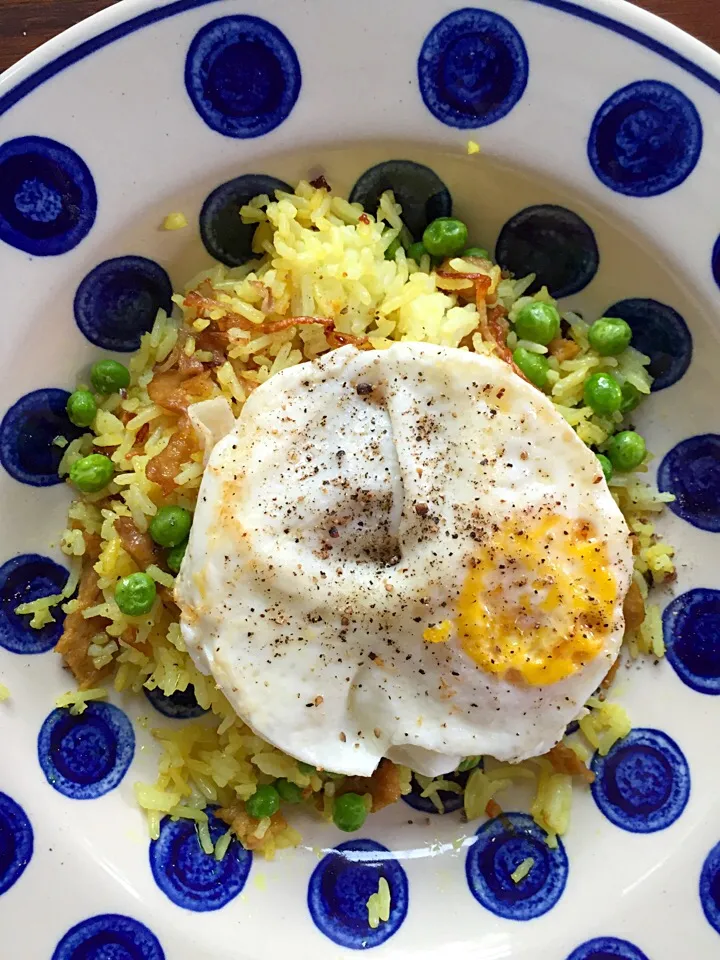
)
(25, 24)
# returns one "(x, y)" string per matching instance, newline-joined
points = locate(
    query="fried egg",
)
(404, 553)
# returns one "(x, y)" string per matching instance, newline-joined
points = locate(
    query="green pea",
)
(393, 249)
(264, 802)
(607, 467)
(479, 252)
(603, 393)
(307, 768)
(289, 792)
(349, 812)
(533, 365)
(626, 450)
(109, 376)
(631, 397)
(538, 322)
(445, 237)
(175, 557)
(609, 336)
(467, 764)
(81, 408)
(416, 251)
(135, 594)
(90, 474)
(170, 526)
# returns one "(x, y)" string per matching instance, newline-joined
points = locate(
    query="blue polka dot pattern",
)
(710, 887)
(180, 705)
(16, 842)
(225, 236)
(552, 242)
(691, 471)
(109, 936)
(187, 875)
(86, 756)
(691, 624)
(500, 847)
(450, 801)
(23, 579)
(48, 200)
(607, 948)
(661, 334)
(27, 432)
(117, 301)
(645, 139)
(341, 885)
(242, 76)
(472, 69)
(643, 784)
(418, 189)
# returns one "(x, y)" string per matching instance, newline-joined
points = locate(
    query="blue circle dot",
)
(643, 784)
(85, 756)
(710, 887)
(117, 301)
(23, 579)
(181, 705)
(500, 847)
(109, 936)
(607, 948)
(661, 334)
(691, 471)
(341, 885)
(645, 139)
(472, 68)
(419, 190)
(552, 242)
(187, 875)
(16, 842)
(225, 236)
(48, 200)
(691, 625)
(450, 801)
(27, 432)
(242, 75)
(715, 263)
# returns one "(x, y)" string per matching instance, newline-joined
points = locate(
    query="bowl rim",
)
(128, 16)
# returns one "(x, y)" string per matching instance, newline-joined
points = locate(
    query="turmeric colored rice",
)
(317, 256)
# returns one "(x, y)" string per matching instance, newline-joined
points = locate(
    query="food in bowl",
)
(379, 510)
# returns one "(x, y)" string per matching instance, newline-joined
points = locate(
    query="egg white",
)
(337, 522)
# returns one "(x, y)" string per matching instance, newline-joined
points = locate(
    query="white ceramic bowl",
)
(594, 107)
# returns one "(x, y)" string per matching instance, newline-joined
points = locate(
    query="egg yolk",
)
(438, 634)
(538, 600)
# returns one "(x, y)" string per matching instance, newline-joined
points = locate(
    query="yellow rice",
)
(378, 905)
(316, 255)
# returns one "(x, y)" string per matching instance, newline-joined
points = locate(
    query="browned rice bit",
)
(78, 632)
